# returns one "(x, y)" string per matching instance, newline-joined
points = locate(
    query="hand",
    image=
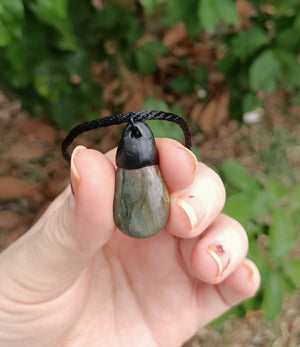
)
(75, 280)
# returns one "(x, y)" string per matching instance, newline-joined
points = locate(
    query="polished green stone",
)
(141, 202)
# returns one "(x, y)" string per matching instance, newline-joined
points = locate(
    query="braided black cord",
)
(124, 118)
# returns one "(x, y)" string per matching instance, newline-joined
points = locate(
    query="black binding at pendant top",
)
(124, 118)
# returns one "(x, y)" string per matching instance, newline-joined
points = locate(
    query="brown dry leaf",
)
(9, 220)
(216, 77)
(167, 65)
(9, 236)
(222, 110)
(257, 314)
(207, 116)
(189, 50)
(174, 35)
(110, 90)
(37, 128)
(5, 164)
(14, 188)
(212, 115)
(59, 180)
(135, 103)
(5, 120)
(295, 110)
(196, 112)
(246, 11)
(143, 87)
(24, 151)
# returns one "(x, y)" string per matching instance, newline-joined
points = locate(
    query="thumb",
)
(53, 253)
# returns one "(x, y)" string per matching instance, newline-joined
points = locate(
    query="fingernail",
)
(192, 157)
(220, 255)
(249, 268)
(188, 210)
(74, 180)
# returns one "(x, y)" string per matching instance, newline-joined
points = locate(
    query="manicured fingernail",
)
(192, 157)
(220, 255)
(74, 173)
(247, 265)
(188, 210)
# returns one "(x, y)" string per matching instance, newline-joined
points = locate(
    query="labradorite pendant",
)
(141, 201)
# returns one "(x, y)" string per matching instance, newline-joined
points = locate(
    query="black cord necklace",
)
(141, 199)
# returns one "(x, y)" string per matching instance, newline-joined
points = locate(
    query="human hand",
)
(75, 280)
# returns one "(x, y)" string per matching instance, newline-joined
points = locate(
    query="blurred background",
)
(230, 68)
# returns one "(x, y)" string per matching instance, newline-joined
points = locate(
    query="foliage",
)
(270, 213)
(264, 57)
(47, 48)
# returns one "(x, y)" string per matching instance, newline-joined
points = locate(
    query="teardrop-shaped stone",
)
(141, 201)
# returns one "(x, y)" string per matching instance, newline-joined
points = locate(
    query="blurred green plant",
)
(262, 58)
(269, 212)
(47, 47)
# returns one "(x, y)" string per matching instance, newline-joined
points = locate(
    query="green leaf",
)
(229, 64)
(275, 189)
(150, 5)
(291, 268)
(248, 42)
(290, 67)
(162, 128)
(68, 110)
(208, 15)
(201, 76)
(251, 102)
(237, 207)
(4, 35)
(288, 5)
(282, 234)
(211, 11)
(296, 98)
(260, 204)
(14, 6)
(77, 63)
(182, 84)
(60, 7)
(155, 104)
(192, 26)
(165, 129)
(295, 198)
(144, 56)
(145, 61)
(259, 258)
(54, 14)
(296, 24)
(154, 47)
(13, 24)
(272, 296)
(238, 176)
(288, 40)
(11, 20)
(50, 82)
(264, 71)
(226, 10)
